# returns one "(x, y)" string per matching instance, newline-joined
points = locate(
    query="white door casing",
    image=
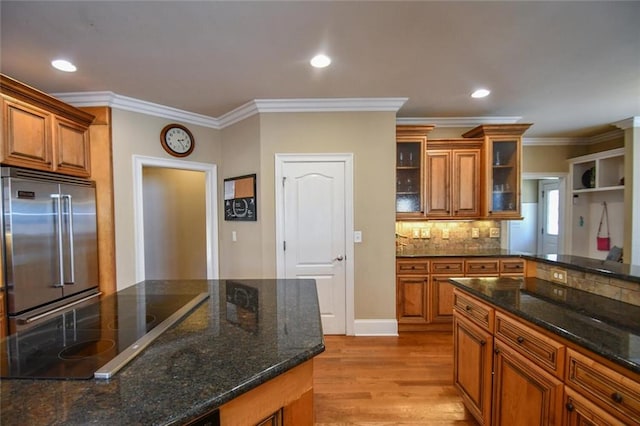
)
(315, 230)
(211, 194)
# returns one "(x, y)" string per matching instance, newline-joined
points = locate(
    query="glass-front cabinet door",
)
(409, 176)
(504, 177)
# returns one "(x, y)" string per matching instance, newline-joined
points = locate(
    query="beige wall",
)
(175, 246)
(241, 155)
(139, 134)
(370, 136)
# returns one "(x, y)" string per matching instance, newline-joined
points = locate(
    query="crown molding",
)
(456, 121)
(113, 100)
(628, 123)
(553, 141)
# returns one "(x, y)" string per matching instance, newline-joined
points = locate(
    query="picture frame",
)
(240, 202)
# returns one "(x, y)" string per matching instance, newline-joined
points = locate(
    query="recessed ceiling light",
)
(320, 61)
(480, 93)
(63, 65)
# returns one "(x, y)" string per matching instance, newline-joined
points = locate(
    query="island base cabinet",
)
(472, 367)
(285, 400)
(581, 412)
(523, 394)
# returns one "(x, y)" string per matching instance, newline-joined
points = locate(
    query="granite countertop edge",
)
(577, 339)
(254, 382)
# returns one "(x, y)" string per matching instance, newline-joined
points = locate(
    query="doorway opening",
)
(542, 228)
(166, 192)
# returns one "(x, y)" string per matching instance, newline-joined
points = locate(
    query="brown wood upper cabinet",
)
(473, 177)
(41, 132)
(411, 142)
(452, 182)
(503, 160)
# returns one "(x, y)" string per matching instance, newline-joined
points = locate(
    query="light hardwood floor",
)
(405, 380)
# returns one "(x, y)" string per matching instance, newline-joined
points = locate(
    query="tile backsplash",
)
(444, 235)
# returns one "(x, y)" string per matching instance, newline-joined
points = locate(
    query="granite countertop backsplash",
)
(204, 361)
(605, 326)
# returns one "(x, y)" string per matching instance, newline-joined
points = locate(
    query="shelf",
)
(601, 189)
(408, 168)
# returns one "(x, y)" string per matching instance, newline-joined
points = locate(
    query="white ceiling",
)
(572, 68)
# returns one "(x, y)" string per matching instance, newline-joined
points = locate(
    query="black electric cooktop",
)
(94, 340)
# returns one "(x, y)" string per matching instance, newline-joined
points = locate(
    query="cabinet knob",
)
(520, 339)
(496, 351)
(569, 406)
(468, 308)
(616, 397)
(483, 342)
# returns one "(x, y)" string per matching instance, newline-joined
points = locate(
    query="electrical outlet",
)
(425, 232)
(494, 232)
(415, 232)
(558, 275)
(475, 233)
(357, 236)
(445, 234)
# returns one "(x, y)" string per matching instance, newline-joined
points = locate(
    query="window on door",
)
(552, 199)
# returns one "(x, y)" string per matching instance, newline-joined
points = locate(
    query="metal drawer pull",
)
(616, 397)
(569, 406)
(468, 308)
(520, 339)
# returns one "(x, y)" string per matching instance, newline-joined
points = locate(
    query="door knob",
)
(339, 259)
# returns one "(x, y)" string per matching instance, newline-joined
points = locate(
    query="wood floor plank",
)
(380, 381)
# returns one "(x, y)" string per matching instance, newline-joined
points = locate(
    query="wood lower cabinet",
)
(40, 132)
(472, 367)
(579, 411)
(523, 393)
(535, 377)
(424, 296)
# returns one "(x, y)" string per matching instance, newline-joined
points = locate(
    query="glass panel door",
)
(408, 177)
(504, 176)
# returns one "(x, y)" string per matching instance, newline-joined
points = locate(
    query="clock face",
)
(177, 140)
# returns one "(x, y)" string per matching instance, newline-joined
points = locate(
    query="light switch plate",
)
(425, 232)
(415, 232)
(494, 232)
(475, 233)
(445, 234)
(357, 236)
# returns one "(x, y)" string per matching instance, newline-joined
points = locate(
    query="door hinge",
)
(283, 179)
(284, 245)
(542, 194)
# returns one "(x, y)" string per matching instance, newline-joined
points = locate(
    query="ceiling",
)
(571, 68)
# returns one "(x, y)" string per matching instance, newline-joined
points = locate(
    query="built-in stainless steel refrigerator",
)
(50, 249)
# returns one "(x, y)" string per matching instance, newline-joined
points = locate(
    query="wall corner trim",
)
(376, 327)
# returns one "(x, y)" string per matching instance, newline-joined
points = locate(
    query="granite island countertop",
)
(605, 326)
(209, 358)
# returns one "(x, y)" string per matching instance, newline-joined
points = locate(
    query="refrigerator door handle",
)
(71, 234)
(58, 204)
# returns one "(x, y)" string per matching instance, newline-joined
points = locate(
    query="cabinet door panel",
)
(441, 298)
(472, 367)
(438, 175)
(412, 299)
(581, 412)
(466, 183)
(523, 394)
(27, 135)
(72, 148)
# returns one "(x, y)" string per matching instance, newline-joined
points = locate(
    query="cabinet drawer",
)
(473, 309)
(512, 266)
(412, 267)
(447, 267)
(481, 267)
(617, 392)
(542, 350)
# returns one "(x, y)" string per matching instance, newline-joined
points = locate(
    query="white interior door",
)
(549, 223)
(314, 225)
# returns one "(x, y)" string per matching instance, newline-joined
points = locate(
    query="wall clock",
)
(177, 140)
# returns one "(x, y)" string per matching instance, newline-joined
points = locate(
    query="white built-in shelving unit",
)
(595, 179)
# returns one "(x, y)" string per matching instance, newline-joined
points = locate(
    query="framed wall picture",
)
(240, 198)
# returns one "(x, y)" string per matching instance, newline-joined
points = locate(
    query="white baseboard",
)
(376, 327)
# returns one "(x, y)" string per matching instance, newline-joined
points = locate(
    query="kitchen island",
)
(528, 347)
(250, 342)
